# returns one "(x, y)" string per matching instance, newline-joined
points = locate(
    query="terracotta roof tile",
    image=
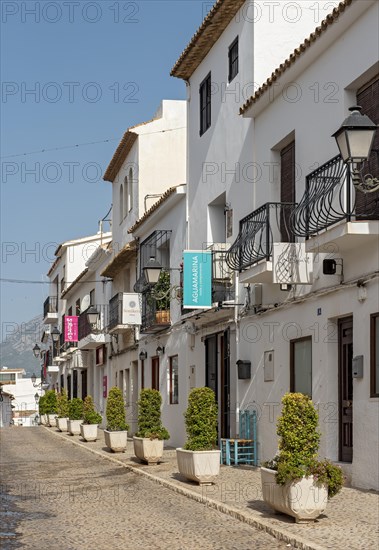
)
(325, 24)
(205, 37)
(119, 261)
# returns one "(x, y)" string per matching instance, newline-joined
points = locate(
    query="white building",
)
(150, 160)
(320, 336)
(18, 404)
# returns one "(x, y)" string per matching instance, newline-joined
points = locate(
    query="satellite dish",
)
(85, 303)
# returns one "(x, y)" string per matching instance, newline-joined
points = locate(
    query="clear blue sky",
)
(96, 68)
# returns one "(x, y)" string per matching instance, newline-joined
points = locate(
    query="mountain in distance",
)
(17, 345)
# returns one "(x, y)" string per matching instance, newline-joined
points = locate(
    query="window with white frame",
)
(174, 380)
(301, 365)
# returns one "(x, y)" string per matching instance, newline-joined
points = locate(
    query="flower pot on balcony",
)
(162, 317)
(88, 431)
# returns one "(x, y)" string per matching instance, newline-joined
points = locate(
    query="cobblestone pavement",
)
(350, 520)
(56, 495)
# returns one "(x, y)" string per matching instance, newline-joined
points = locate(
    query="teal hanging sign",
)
(197, 275)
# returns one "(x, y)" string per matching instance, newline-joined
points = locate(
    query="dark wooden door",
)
(211, 380)
(155, 373)
(84, 383)
(345, 342)
(225, 384)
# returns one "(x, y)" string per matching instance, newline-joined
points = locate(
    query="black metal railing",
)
(258, 231)
(153, 319)
(223, 278)
(330, 197)
(85, 328)
(115, 311)
(50, 305)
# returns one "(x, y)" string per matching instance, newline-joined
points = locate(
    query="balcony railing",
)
(223, 278)
(85, 328)
(115, 311)
(153, 319)
(330, 198)
(50, 305)
(258, 231)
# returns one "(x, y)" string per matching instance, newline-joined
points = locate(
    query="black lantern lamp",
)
(36, 398)
(160, 350)
(355, 137)
(33, 378)
(92, 315)
(152, 271)
(142, 355)
(55, 334)
(37, 351)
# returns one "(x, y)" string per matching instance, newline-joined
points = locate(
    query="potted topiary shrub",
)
(51, 407)
(42, 410)
(148, 441)
(62, 410)
(199, 460)
(75, 414)
(116, 434)
(91, 420)
(295, 482)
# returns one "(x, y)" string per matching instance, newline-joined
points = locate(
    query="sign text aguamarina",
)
(197, 279)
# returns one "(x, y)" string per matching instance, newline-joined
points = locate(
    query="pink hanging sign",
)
(71, 328)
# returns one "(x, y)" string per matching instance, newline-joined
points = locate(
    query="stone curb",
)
(261, 524)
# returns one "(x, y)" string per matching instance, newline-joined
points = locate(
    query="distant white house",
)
(18, 404)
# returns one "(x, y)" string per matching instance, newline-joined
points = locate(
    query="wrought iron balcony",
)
(330, 198)
(85, 328)
(50, 310)
(258, 231)
(115, 311)
(223, 278)
(153, 319)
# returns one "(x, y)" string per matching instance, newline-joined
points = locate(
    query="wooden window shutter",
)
(367, 205)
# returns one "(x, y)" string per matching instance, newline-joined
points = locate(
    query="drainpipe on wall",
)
(237, 324)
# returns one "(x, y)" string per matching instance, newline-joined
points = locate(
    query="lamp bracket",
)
(364, 183)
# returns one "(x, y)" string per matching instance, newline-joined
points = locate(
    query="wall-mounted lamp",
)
(37, 351)
(142, 355)
(355, 139)
(92, 315)
(152, 271)
(160, 350)
(55, 334)
(36, 398)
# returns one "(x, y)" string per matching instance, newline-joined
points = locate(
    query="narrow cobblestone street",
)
(57, 496)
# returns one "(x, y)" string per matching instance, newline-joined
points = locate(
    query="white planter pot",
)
(303, 499)
(200, 466)
(43, 419)
(62, 424)
(148, 450)
(73, 426)
(89, 431)
(116, 441)
(52, 419)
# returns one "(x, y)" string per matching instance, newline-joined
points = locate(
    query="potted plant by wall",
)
(75, 414)
(42, 410)
(199, 460)
(51, 407)
(295, 482)
(62, 410)
(91, 420)
(161, 294)
(116, 433)
(148, 441)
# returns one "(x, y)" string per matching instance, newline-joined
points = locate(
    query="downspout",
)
(237, 325)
